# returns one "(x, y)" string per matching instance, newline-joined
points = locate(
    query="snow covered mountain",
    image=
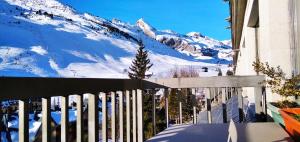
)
(194, 43)
(47, 38)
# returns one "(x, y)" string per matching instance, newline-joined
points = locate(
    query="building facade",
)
(268, 30)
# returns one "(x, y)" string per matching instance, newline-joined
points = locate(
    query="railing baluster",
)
(23, 121)
(227, 93)
(212, 94)
(180, 113)
(153, 111)
(231, 93)
(64, 118)
(104, 117)
(166, 91)
(121, 129)
(140, 115)
(260, 100)
(208, 105)
(46, 112)
(224, 105)
(93, 118)
(128, 116)
(113, 116)
(134, 117)
(217, 94)
(195, 115)
(240, 104)
(79, 121)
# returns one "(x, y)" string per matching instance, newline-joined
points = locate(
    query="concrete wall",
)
(275, 33)
(272, 38)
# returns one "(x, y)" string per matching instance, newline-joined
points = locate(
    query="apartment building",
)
(268, 30)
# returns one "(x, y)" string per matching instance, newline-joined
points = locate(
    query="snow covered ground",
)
(46, 38)
(14, 124)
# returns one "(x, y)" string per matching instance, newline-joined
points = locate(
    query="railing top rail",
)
(217, 81)
(30, 87)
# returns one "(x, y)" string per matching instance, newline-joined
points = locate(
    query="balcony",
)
(129, 111)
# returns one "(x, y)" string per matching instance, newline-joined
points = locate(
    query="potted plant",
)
(281, 85)
(291, 117)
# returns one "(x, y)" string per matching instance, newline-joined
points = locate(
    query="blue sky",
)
(182, 16)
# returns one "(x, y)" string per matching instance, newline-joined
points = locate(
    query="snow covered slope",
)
(47, 38)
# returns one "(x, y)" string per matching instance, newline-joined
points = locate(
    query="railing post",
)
(232, 93)
(128, 116)
(79, 121)
(195, 115)
(121, 128)
(240, 104)
(264, 103)
(220, 95)
(104, 117)
(193, 91)
(226, 93)
(180, 113)
(93, 118)
(113, 116)
(140, 115)
(208, 105)
(259, 102)
(216, 95)
(46, 112)
(166, 92)
(134, 116)
(213, 94)
(23, 121)
(224, 105)
(153, 111)
(64, 118)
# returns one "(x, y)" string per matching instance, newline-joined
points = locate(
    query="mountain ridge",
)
(47, 38)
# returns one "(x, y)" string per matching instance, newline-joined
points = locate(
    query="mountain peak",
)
(227, 42)
(194, 34)
(147, 28)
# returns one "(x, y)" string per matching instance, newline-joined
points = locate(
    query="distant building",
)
(204, 69)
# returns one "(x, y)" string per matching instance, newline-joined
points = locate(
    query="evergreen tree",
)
(140, 64)
(229, 73)
(173, 99)
(184, 95)
(220, 72)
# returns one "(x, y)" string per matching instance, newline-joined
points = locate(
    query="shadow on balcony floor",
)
(247, 132)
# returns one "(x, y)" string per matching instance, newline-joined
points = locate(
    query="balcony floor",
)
(247, 132)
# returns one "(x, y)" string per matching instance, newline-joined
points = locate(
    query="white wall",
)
(273, 37)
(275, 33)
